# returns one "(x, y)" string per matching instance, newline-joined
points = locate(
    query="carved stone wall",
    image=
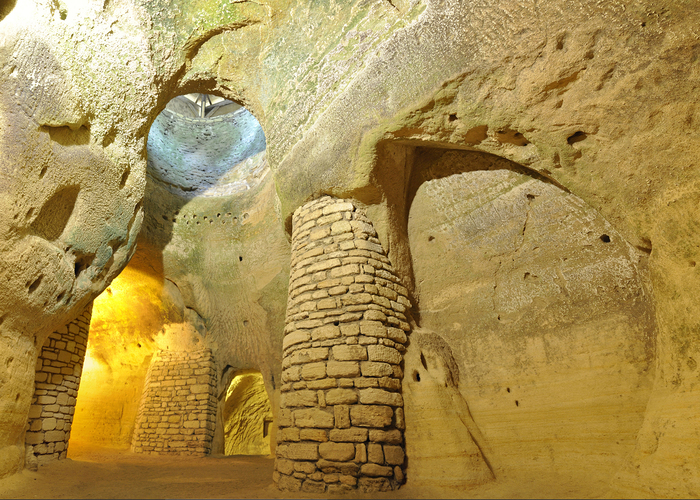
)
(58, 372)
(177, 414)
(341, 414)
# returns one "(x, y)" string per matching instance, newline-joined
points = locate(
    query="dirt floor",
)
(110, 473)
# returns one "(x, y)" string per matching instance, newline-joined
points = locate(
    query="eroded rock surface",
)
(561, 270)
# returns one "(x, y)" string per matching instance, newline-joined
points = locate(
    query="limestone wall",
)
(341, 418)
(58, 371)
(177, 414)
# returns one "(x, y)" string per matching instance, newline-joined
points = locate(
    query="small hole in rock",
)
(416, 376)
(218, 215)
(644, 25)
(605, 238)
(508, 389)
(60, 296)
(245, 322)
(165, 217)
(29, 213)
(577, 137)
(17, 397)
(138, 345)
(517, 403)
(43, 172)
(453, 117)
(692, 263)
(336, 323)
(35, 284)
(423, 362)
(240, 259)
(530, 196)
(245, 216)
(125, 176)
(431, 238)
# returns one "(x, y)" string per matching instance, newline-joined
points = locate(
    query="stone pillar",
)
(177, 414)
(58, 371)
(341, 411)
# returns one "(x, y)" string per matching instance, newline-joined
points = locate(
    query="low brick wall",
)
(58, 371)
(341, 418)
(177, 414)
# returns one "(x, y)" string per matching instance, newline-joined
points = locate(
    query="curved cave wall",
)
(596, 101)
(208, 282)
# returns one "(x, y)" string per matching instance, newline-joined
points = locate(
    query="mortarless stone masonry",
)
(58, 371)
(341, 412)
(177, 414)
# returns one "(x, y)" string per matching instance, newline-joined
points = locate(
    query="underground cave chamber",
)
(136, 369)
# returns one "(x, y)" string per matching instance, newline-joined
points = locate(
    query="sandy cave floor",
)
(110, 473)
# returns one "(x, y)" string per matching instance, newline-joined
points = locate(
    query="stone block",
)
(371, 416)
(318, 435)
(284, 466)
(288, 483)
(365, 382)
(298, 451)
(347, 480)
(354, 299)
(35, 411)
(331, 478)
(311, 486)
(392, 436)
(350, 353)
(324, 383)
(64, 356)
(291, 374)
(313, 417)
(34, 438)
(375, 453)
(330, 467)
(384, 354)
(393, 455)
(296, 337)
(52, 436)
(351, 435)
(325, 332)
(342, 416)
(389, 383)
(399, 421)
(380, 397)
(337, 451)
(343, 369)
(338, 207)
(376, 369)
(304, 356)
(341, 396)
(305, 467)
(46, 400)
(376, 470)
(48, 424)
(373, 484)
(299, 398)
(313, 371)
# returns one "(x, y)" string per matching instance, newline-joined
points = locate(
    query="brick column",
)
(341, 411)
(177, 414)
(58, 371)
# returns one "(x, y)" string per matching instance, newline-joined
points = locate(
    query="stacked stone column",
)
(177, 414)
(58, 371)
(341, 411)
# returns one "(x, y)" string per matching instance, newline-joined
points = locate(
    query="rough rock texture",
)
(178, 409)
(599, 99)
(247, 416)
(58, 372)
(341, 410)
